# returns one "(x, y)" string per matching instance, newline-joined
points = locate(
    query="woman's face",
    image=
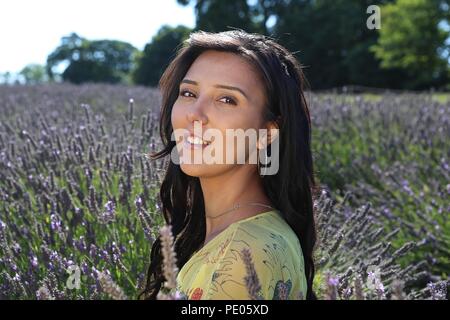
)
(220, 91)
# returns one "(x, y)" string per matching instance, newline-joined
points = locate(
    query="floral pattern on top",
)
(217, 270)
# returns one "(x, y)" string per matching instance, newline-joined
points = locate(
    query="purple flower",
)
(84, 268)
(138, 202)
(110, 206)
(81, 244)
(17, 277)
(387, 213)
(34, 261)
(16, 248)
(2, 226)
(93, 251)
(109, 214)
(55, 223)
(438, 291)
(333, 281)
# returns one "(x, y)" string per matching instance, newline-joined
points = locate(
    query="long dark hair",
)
(292, 190)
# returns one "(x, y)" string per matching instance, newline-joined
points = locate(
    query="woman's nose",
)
(197, 112)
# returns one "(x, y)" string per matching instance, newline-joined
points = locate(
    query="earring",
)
(257, 163)
(259, 167)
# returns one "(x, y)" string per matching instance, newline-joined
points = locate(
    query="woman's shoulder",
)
(266, 230)
(273, 244)
(220, 269)
(275, 253)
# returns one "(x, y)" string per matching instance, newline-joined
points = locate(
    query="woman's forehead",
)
(217, 67)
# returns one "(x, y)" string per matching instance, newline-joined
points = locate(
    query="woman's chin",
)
(195, 170)
(202, 170)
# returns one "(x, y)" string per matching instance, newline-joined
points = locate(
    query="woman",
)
(235, 80)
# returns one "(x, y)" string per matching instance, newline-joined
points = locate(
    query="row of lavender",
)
(79, 207)
(394, 152)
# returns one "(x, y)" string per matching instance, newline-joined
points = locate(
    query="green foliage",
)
(92, 61)
(34, 73)
(332, 41)
(157, 54)
(220, 15)
(395, 151)
(330, 38)
(412, 40)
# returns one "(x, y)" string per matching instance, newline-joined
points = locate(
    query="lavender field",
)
(79, 196)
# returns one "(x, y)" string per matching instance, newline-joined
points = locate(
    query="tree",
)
(332, 41)
(34, 74)
(329, 37)
(223, 15)
(219, 15)
(92, 61)
(157, 54)
(411, 39)
(5, 77)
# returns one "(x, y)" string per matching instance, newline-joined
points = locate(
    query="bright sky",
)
(31, 29)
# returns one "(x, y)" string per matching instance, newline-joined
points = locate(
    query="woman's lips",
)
(190, 145)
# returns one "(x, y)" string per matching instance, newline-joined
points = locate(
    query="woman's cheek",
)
(176, 115)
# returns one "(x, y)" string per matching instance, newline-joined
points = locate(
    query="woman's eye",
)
(229, 100)
(183, 93)
(188, 94)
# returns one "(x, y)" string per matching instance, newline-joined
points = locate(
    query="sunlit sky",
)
(31, 29)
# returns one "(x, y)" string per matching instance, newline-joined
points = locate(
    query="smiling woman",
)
(240, 82)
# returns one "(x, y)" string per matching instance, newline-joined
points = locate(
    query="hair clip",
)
(285, 68)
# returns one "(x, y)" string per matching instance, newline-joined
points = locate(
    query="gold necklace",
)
(236, 206)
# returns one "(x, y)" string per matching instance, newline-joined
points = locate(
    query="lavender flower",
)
(251, 279)
(375, 284)
(34, 262)
(56, 223)
(170, 268)
(109, 214)
(332, 283)
(397, 290)
(144, 217)
(110, 287)
(57, 172)
(359, 294)
(438, 291)
(44, 294)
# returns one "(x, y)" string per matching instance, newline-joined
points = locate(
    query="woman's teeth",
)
(196, 140)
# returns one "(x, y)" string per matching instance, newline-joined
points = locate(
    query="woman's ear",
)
(272, 131)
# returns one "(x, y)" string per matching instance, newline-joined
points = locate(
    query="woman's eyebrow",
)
(218, 86)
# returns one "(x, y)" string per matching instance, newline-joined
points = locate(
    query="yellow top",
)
(217, 271)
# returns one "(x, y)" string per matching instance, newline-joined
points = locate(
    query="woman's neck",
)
(222, 192)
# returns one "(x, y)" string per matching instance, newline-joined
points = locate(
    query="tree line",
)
(332, 40)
